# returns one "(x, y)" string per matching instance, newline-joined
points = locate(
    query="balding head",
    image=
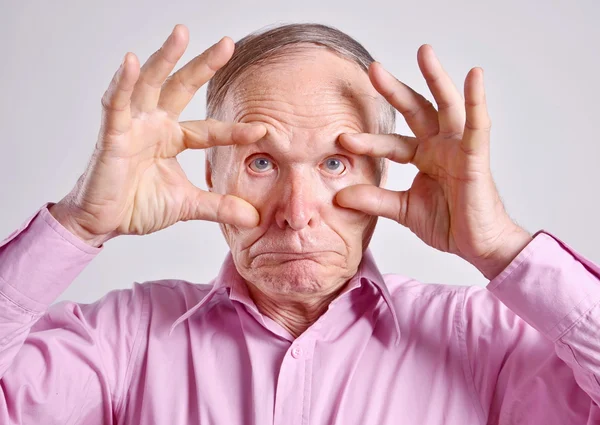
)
(306, 93)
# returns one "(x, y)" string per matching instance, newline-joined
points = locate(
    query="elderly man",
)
(299, 327)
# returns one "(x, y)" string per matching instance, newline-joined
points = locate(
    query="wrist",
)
(508, 249)
(67, 219)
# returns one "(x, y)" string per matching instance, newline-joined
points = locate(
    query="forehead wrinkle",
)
(300, 95)
(282, 109)
(282, 145)
(295, 100)
(288, 122)
(309, 91)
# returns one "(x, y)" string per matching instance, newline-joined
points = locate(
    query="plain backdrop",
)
(542, 68)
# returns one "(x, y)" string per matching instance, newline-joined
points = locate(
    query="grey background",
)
(541, 62)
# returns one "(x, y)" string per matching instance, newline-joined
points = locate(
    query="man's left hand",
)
(453, 204)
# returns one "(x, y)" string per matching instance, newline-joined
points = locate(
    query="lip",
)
(291, 255)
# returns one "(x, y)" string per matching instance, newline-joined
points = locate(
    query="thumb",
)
(375, 200)
(226, 209)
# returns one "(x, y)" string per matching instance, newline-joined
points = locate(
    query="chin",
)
(296, 276)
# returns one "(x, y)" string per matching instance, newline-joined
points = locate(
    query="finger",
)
(182, 86)
(226, 209)
(157, 68)
(203, 134)
(374, 200)
(116, 111)
(478, 124)
(419, 113)
(396, 147)
(450, 104)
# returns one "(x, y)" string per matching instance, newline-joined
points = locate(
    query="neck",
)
(295, 312)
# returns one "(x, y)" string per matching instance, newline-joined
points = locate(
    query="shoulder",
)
(168, 298)
(473, 309)
(127, 307)
(407, 290)
(173, 289)
(466, 302)
(403, 287)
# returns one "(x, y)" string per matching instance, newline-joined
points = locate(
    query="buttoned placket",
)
(294, 383)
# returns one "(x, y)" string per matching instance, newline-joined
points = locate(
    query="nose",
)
(298, 207)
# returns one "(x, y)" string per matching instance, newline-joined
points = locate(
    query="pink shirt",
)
(523, 350)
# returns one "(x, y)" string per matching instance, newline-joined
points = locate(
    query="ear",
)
(208, 173)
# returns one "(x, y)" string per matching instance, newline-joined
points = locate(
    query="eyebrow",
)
(251, 149)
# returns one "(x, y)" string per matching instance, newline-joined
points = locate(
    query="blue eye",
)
(334, 166)
(261, 165)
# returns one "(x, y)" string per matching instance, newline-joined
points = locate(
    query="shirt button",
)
(296, 352)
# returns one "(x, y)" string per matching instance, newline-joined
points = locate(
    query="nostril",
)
(297, 208)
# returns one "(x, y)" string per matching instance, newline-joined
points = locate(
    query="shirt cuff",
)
(548, 285)
(40, 260)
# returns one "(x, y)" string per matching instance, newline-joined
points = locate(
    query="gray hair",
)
(267, 46)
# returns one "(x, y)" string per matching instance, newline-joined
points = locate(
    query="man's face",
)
(305, 243)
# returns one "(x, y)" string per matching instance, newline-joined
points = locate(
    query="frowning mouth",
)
(285, 256)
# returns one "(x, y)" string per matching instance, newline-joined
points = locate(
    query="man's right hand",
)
(133, 183)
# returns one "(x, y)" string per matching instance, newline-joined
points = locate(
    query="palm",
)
(146, 187)
(159, 200)
(449, 180)
(153, 186)
(134, 183)
(452, 204)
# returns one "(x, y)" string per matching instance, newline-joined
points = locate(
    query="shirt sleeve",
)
(67, 362)
(532, 339)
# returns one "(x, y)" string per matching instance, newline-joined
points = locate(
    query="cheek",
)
(352, 225)
(349, 224)
(272, 192)
(233, 180)
(269, 193)
(259, 191)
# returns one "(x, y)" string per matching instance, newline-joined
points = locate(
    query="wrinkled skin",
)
(306, 246)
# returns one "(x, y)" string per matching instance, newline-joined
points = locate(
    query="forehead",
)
(308, 88)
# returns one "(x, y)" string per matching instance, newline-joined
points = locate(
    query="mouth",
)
(287, 256)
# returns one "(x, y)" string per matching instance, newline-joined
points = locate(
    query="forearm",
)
(557, 291)
(37, 263)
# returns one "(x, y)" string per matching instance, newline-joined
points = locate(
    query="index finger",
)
(395, 147)
(419, 113)
(204, 134)
(180, 88)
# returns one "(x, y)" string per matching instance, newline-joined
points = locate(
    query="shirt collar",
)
(227, 278)
(368, 271)
(230, 280)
